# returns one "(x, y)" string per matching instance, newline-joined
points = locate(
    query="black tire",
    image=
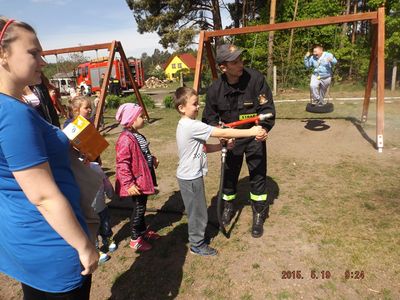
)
(327, 108)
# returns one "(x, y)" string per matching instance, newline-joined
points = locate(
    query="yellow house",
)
(181, 62)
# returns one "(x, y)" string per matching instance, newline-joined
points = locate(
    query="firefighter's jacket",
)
(251, 96)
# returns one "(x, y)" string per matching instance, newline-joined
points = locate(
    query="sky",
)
(69, 23)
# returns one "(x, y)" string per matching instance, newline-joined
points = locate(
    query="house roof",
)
(187, 58)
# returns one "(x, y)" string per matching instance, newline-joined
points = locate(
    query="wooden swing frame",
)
(113, 47)
(376, 64)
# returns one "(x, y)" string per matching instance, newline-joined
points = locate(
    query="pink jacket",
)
(131, 166)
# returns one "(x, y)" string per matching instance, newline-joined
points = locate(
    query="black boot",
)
(260, 213)
(228, 212)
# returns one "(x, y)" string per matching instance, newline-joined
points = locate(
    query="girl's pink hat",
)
(128, 113)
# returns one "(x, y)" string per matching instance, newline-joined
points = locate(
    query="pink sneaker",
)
(151, 235)
(140, 244)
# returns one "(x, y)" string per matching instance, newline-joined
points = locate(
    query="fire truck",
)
(88, 74)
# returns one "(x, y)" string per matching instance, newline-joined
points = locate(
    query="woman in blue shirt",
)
(43, 236)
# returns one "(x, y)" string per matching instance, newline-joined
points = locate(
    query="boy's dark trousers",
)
(105, 224)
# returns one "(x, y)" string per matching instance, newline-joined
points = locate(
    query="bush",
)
(113, 101)
(169, 102)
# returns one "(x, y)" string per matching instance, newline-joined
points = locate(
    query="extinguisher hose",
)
(220, 193)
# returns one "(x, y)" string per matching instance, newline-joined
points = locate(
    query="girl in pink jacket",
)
(134, 181)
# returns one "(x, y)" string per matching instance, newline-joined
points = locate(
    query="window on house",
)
(173, 66)
(179, 66)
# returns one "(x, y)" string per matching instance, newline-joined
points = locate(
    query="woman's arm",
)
(41, 190)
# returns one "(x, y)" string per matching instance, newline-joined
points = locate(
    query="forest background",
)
(178, 22)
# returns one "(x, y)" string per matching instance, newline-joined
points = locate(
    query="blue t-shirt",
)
(30, 250)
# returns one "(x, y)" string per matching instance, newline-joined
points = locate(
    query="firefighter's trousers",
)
(256, 159)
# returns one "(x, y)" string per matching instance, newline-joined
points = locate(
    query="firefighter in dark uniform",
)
(115, 86)
(241, 93)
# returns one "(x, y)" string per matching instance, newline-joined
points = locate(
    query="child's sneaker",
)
(110, 244)
(203, 250)
(151, 235)
(103, 257)
(140, 244)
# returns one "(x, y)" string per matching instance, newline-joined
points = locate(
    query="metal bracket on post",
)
(379, 142)
(363, 119)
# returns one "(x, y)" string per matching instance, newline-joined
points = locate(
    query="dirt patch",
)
(334, 207)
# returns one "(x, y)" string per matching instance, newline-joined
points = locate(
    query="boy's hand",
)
(262, 137)
(260, 133)
(155, 162)
(308, 53)
(257, 130)
(230, 144)
(134, 191)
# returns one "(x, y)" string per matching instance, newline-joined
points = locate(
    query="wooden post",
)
(131, 79)
(211, 60)
(103, 93)
(371, 73)
(196, 82)
(272, 12)
(380, 95)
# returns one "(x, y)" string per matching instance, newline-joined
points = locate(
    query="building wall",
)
(174, 66)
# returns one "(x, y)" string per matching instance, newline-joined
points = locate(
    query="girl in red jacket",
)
(134, 165)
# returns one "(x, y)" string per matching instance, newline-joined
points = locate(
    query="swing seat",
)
(320, 109)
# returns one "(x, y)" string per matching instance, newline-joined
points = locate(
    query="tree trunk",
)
(236, 21)
(244, 13)
(289, 56)
(353, 34)
(344, 26)
(353, 41)
(253, 10)
(394, 76)
(271, 39)
(216, 19)
(216, 15)
(292, 31)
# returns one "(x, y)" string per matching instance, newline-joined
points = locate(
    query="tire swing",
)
(320, 109)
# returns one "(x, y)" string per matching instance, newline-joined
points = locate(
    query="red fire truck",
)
(88, 74)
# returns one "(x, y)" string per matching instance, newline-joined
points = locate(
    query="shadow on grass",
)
(318, 123)
(154, 120)
(155, 274)
(156, 219)
(108, 128)
(243, 191)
